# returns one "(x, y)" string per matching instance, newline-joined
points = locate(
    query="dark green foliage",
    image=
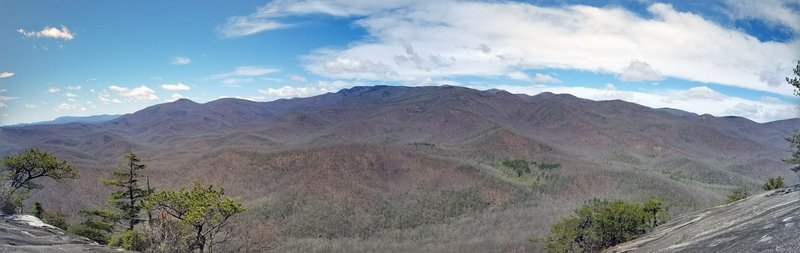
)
(657, 212)
(130, 240)
(38, 210)
(56, 219)
(518, 165)
(602, 224)
(796, 80)
(794, 148)
(737, 194)
(98, 225)
(22, 170)
(201, 208)
(773, 183)
(130, 196)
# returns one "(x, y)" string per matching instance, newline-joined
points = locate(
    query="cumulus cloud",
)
(49, 32)
(76, 87)
(31, 106)
(545, 78)
(290, 92)
(702, 92)
(6, 74)
(700, 100)
(53, 90)
(106, 98)
(141, 93)
(175, 96)
(519, 75)
(175, 86)
(467, 38)
(70, 95)
(181, 60)
(639, 71)
(321, 87)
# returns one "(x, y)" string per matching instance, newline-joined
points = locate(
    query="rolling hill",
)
(432, 154)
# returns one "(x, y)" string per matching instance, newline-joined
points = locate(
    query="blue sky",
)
(77, 58)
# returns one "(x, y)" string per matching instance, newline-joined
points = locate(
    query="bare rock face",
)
(768, 222)
(25, 233)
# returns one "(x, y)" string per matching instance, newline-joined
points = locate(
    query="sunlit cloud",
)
(48, 32)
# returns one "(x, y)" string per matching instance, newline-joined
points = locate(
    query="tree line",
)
(135, 217)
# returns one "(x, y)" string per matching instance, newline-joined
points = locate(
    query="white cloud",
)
(411, 40)
(775, 12)
(610, 86)
(700, 100)
(175, 86)
(49, 32)
(241, 74)
(235, 82)
(639, 71)
(70, 95)
(105, 98)
(31, 106)
(6, 74)
(702, 92)
(141, 93)
(545, 78)
(306, 91)
(181, 60)
(53, 90)
(519, 75)
(175, 96)
(297, 78)
(76, 87)
(289, 92)
(67, 107)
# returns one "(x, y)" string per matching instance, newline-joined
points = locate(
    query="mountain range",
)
(360, 148)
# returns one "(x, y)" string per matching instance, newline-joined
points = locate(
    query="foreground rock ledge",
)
(768, 222)
(25, 233)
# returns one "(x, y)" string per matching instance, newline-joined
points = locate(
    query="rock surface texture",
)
(25, 233)
(768, 222)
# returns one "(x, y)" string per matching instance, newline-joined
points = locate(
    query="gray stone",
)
(761, 223)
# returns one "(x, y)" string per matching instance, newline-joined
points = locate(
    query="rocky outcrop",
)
(25, 233)
(768, 222)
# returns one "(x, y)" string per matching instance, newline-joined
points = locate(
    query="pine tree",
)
(130, 196)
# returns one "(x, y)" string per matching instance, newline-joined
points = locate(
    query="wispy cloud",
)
(181, 60)
(49, 32)
(241, 74)
(6, 74)
(53, 90)
(4, 99)
(175, 86)
(76, 87)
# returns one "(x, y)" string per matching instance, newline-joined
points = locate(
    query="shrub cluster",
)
(601, 224)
